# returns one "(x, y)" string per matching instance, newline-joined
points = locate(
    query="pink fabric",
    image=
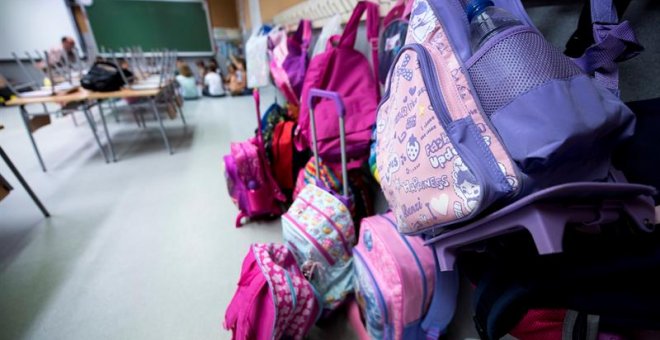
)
(422, 176)
(396, 271)
(344, 70)
(263, 306)
(288, 59)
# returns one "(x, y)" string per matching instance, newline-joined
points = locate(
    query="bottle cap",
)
(475, 7)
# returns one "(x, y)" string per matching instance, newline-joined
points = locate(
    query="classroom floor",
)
(144, 248)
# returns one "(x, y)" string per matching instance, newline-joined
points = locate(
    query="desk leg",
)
(160, 122)
(26, 121)
(107, 134)
(88, 115)
(23, 182)
(172, 91)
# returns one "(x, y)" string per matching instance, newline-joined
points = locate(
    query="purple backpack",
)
(344, 70)
(288, 59)
(249, 181)
(273, 300)
(459, 132)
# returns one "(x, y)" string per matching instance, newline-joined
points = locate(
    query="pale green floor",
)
(144, 248)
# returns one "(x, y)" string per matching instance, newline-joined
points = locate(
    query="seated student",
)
(236, 81)
(201, 71)
(213, 83)
(187, 82)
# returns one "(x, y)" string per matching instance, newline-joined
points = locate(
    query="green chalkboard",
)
(151, 24)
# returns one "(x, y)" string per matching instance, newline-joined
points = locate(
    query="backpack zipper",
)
(311, 239)
(381, 299)
(332, 223)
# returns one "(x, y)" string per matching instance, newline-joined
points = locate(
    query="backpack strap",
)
(443, 305)
(614, 42)
(347, 39)
(400, 10)
(304, 34)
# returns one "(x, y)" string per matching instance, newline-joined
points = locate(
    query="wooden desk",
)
(91, 98)
(78, 96)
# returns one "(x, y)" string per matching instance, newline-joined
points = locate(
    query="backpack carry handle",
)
(349, 35)
(336, 98)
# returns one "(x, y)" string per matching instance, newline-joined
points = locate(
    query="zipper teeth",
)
(417, 261)
(434, 96)
(332, 223)
(381, 299)
(311, 239)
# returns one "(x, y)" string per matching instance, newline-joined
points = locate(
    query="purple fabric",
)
(452, 16)
(603, 11)
(545, 215)
(614, 43)
(296, 61)
(569, 128)
(472, 148)
(514, 62)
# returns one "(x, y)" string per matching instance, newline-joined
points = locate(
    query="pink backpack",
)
(394, 279)
(249, 181)
(344, 70)
(288, 59)
(273, 299)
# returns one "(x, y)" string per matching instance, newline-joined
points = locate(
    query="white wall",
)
(26, 25)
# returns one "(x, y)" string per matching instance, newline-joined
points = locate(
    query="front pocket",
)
(434, 170)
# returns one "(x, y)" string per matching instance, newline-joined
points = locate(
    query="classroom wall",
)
(223, 13)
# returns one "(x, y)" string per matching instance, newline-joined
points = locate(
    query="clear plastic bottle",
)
(486, 21)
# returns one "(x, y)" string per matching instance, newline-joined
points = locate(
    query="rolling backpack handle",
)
(334, 96)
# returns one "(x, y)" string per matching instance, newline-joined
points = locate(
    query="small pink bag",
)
(394, 279)
(273, 299)
(249, 180)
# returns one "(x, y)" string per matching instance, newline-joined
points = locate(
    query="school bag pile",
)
(501, 159)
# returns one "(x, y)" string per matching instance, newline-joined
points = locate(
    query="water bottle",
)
(486, 21)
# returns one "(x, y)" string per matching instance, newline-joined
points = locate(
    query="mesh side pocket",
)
(515, 65)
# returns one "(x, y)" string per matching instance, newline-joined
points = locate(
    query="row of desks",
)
(87, 100)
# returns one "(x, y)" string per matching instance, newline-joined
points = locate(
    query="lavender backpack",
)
(288, 59)
(458, 133)
(273, 300)
(250, 184)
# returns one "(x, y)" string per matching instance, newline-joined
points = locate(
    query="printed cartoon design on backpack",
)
(423, 21)
(465, 185)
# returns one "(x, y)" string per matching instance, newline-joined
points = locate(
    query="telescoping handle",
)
(336, 98)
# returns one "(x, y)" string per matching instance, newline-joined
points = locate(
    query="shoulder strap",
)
(614, 42)
(443, 305)
(347, 39)
(304, 34)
